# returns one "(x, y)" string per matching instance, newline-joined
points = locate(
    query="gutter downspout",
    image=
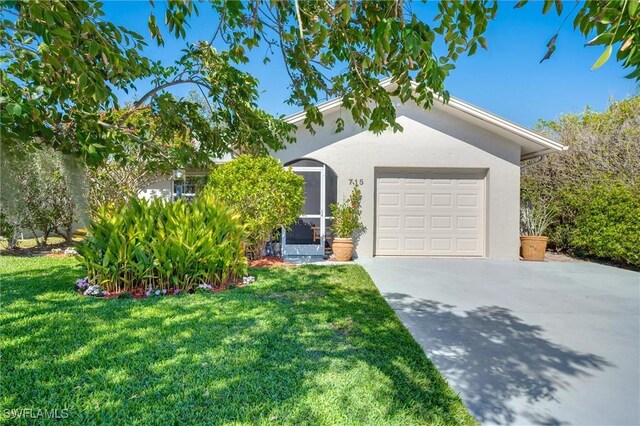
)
(538, 160)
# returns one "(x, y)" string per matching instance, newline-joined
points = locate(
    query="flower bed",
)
(84, 287)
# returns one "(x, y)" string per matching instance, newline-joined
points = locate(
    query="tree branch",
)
(153, 92)
(132, 136)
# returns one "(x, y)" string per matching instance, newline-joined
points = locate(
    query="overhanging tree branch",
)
(151, 93)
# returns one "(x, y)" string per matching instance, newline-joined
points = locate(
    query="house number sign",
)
(356, 181)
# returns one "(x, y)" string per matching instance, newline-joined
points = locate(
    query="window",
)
(189, 187)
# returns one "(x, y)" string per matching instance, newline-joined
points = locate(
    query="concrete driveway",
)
(525, 343)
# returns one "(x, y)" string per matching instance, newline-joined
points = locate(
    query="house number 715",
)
(356, 181)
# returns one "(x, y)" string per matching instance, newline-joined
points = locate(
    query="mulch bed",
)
(136, 294)
(39, 250)
(140, 293)
(266, 262)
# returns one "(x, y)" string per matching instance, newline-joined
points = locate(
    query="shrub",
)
(607, 223)
(603, 155)
(346, 215)
(163, 245)
(265, 195)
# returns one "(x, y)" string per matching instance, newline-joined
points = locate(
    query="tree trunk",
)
(66, 233)
(12, 242)
(35, 237)
(69, 236)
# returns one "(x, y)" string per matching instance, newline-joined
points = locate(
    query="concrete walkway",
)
(523, 342)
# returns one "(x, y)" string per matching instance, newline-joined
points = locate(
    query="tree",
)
(594, 187)
(113, 184)
(9, 229)
(36, 194)
(265, 195)
(64, 65)
(602, 146)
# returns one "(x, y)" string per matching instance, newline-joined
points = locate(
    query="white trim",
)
(309, 249)
(547, 144)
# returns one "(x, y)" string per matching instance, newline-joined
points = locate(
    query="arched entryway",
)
(310, 235)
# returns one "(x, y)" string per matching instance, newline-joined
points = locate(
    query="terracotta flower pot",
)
(342, 249)
(533, 247)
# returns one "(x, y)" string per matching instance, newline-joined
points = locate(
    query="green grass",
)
(307, 345)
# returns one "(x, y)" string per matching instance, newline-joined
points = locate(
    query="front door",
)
(307, 235)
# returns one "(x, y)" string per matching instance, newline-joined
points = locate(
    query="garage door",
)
(430, 214)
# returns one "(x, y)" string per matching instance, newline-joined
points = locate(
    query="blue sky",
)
(506, 80)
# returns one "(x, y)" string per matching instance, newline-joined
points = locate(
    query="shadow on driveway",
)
(494, 356)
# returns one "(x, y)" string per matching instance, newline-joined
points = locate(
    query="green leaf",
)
(559, 7)
(62, 33)
(15, 109)
(94, 48)
(609, 15)
(604, 38)
(603, 58)
(633, 7)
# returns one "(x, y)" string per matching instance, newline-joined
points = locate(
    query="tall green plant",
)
(262, 192)
(163, 245)
(346, 215)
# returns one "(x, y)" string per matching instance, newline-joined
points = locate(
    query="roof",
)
(533, 144)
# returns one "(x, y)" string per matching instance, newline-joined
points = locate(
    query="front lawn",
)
(310, 344)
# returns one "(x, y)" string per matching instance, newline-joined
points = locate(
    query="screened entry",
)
(310, 235)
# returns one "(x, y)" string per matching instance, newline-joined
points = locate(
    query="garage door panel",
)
(389, 222)
(430, 214)
(415, 200)
(415, 244)
(389, 200)
(389, 243)
(467, 223)
(415, 179)
(442, 245)
(415, 222)
(441, 182)
(466, 244)
(467, 183)
(441, 200)
(388, 180)
(441, 223)
(468, 200)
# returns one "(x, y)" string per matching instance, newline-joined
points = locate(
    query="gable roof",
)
(533, 144)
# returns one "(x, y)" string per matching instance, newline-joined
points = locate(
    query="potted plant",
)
(346, 222)
(534, 222)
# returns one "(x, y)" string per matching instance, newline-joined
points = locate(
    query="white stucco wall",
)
(430, 140)
(162, 188)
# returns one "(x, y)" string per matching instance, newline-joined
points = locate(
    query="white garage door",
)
(430, 214)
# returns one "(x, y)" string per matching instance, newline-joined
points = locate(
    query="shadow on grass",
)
(494, 356)
(302, 345)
